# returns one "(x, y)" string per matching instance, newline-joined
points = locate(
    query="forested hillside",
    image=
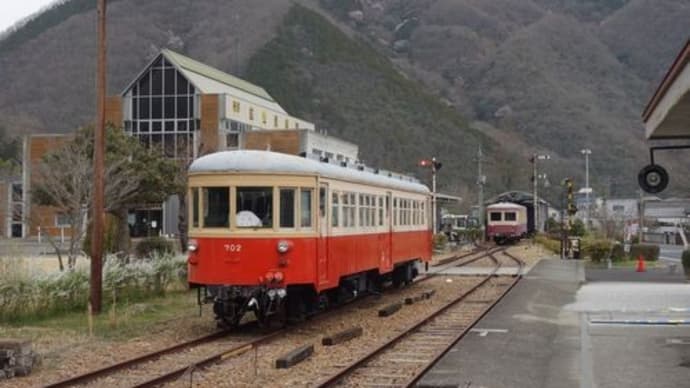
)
(402, 78)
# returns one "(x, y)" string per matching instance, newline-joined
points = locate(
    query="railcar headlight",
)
(192, 246)
(283, 246)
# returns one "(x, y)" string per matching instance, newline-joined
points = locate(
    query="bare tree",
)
(64, 182)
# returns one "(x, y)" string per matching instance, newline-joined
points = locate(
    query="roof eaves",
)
(207, 71)
(681, 60)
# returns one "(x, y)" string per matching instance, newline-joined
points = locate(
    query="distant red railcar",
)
(506, 222)
(282, 236)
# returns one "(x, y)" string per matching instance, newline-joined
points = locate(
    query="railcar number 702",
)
(233, 247)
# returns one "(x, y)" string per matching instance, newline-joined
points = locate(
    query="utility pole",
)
(535, 177)
(640, 232)
(481, 180)
(435, 165)
(98, 169)
(535, 202)
(586, 152)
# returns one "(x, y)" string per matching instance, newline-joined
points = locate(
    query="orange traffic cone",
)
(640, 264)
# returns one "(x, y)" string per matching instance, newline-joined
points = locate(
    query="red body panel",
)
(245, 261)
(506, 230)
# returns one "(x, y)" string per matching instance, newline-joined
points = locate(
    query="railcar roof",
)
(505, 205)
(251, 161)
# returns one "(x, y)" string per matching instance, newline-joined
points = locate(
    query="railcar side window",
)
(509, 216)
(381, 217)
(495, 216)
(335, 211)
(195, 207)
(305, 206)
(216, 207)
(287, 208)
(254, 207)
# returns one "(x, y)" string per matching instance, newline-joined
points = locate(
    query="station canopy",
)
(667, 115)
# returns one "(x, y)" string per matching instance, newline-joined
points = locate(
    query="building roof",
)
(667, 114)
(207, 71)
(266, 162)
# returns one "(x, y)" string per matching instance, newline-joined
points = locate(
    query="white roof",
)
(505, 205)
(263, 162)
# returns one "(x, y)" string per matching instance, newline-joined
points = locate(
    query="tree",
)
(133, 174)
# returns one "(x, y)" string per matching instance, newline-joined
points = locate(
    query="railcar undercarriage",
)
(277, 306)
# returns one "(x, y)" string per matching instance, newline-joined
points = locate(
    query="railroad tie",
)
(342, 336)
(295, 356)
(390, 309)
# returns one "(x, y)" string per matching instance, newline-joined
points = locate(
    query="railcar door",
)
(387, 243)
(324, 234)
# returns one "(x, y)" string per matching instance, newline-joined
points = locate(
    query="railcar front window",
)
(216, 207)
(510, 216)
(495, 216)
(305, 208)
(254, 207)
(287, 208)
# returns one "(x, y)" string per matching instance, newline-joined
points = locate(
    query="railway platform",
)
(559, 327)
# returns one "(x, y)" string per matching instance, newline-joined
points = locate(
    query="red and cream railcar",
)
(506, 222)
(283, 236)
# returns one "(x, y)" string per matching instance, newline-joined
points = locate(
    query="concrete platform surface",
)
(527, 340)
(555, 330)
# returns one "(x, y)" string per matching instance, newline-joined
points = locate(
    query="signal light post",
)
(435, 165)
(535, 180)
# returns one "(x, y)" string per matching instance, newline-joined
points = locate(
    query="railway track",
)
(403, 360)
(213, 348)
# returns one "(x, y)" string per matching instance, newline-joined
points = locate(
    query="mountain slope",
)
(535, 75)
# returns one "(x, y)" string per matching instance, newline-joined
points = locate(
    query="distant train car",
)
(506, 222)
(282, 236)
(453, 225)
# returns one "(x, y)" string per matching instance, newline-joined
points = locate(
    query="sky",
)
(11, 11)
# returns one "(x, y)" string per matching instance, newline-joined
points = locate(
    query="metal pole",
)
(480, 182)
(587, 184)
(433, 189)
(98, 168)
(535, 202)
(640, 233)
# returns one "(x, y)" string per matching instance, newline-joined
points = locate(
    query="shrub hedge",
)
(34, 295)
(547, 242)
(597, 249)
(152, 246)
(440, 241)
(648, 251)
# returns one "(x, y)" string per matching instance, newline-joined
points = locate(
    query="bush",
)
(618, 253)
(686, 262)
(549, 243)
(30, 295)
(152, 246)
(648, 251)
(597, 249)
(440, 241)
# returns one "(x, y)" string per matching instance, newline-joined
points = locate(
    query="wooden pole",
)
(98, 168)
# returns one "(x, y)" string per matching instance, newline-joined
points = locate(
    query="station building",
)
(184, 109)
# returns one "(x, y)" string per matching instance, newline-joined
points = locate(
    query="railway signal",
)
(435, 165)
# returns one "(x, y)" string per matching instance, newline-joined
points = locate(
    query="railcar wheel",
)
(653, 178)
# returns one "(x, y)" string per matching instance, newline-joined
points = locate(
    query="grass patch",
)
(123, 322)
(622, 264)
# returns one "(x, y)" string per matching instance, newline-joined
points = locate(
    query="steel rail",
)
(92, 375)
(234, 351)
(461, 335)
(363, 360)
(95, 374)
(240, 349)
